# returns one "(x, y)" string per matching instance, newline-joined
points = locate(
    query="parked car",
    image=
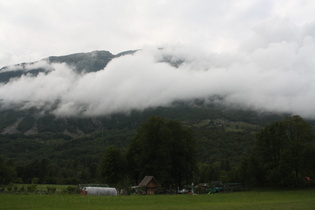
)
(184, 191)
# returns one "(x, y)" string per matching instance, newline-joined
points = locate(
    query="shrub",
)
(15, 188)
(70, 190)
(9, 188)
(51, 190)
(22, 189)
(31, 188)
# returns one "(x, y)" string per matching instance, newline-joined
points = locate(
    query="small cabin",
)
(150, 184)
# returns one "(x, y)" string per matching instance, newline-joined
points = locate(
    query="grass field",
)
(300, 199)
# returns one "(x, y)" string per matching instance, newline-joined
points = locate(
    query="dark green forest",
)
(197, 140)
(225, 144)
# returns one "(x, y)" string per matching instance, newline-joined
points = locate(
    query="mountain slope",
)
(80, 62)
(75, 144)
(18, 119)
(220, 132)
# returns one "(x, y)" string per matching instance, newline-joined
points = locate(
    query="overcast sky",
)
(34, 29)
(256, 53)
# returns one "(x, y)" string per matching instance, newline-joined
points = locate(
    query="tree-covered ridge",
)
(195, 112)
(80, 62)
(281, 154)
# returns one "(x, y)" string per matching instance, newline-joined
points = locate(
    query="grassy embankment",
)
(299, 199)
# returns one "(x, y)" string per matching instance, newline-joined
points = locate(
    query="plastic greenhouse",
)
(99, 191)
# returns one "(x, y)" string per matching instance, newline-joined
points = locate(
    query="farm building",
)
(99, 191)
(150, 184)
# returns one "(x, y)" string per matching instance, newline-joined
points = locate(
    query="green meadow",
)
(297, 199)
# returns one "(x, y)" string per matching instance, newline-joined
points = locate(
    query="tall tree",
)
(7, 171)
(112, 168)
(164, 149)
(281, 150)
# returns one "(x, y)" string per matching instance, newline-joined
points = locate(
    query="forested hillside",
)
(223, 136)
(37, 145)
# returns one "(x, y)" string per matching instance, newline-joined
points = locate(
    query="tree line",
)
(282, 156)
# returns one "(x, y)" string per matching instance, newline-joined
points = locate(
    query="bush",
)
(15, 188)
(70, 190)
(51, 190)
(31, 188)
(9, 188)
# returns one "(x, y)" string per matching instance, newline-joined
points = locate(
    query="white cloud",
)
(278, 76)
(256, 53)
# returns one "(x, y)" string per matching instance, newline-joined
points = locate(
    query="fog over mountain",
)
(272, 71)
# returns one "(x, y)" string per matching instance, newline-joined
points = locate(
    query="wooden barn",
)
(150, 184)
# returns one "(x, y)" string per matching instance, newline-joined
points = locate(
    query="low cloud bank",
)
(273, 71)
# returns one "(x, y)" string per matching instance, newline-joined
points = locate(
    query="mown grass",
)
(300, 199)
